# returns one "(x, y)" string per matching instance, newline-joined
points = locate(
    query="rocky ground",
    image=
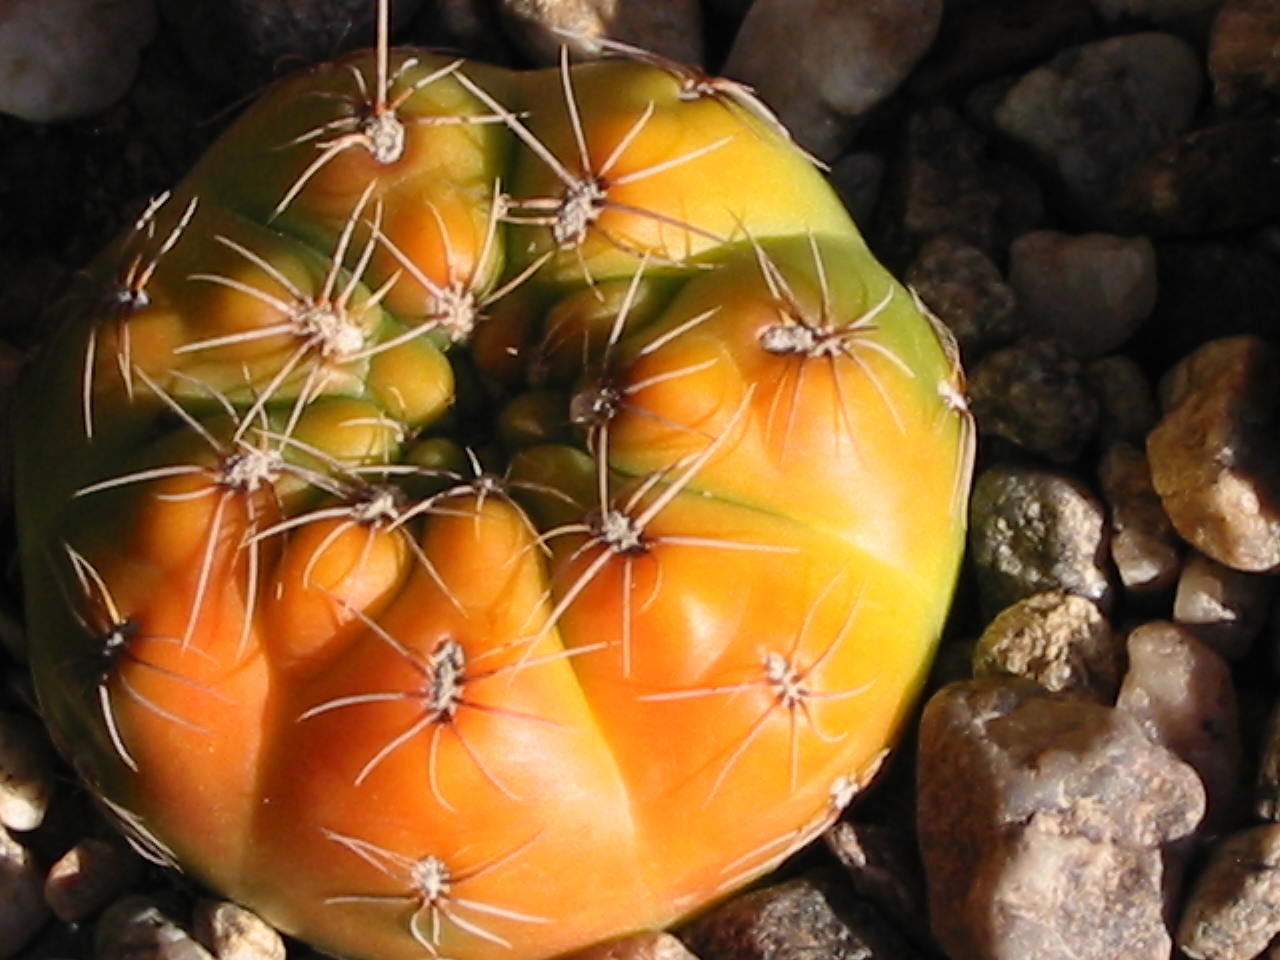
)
(1088, 192)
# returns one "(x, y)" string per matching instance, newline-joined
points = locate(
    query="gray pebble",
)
(1224, 607)
(22, 908)
(1045, 824)
(1094, 111)
(1144, 548)
(1243, 61)
(1126, 400)
(1180, 691)
(1036, 530)
(231, 932)
(540, 28)
(1090, 291)
(26, 772)
(821, 64)
(795, 920)
(1058, 640)
(65, 58)
(137, 928)
(1215, 456)
(90, 875)
(1234, 908)
(963, 286)
(1033, 395)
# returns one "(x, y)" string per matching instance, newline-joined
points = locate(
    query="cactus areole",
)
(479, 513)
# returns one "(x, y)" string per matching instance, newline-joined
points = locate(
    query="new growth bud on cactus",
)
(479, 513)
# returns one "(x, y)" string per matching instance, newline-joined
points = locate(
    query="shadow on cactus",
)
(479, 513)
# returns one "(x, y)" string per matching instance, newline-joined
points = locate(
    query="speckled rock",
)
(22, 908)
(839, 59)
(1058, 640)
(1181, 693)
(1234, 908)
(26, 772)
(1215, 456)
(90, 875)
(69, 58)
(540, 28)
(1033, 395)
(1144, 548)
(239, 45)
(1243, 61)
(230, 932)
(1055, 847)
(1089, 291)
(637, 946)
(947, 182)
(137, 928)
(1094, 111)
(1126, 401)
(1036, 530)
(1210, 180)
(963, 286)
(796, 920)
(1226, 608)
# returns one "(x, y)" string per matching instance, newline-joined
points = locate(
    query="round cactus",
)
(479, 513)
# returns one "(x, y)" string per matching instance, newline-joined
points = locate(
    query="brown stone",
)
(1045, 825)
(1226, 608)
(650, 945)
(89, 876)
(963, 286)
(1215, 456)
(1058, 640)
(1144, 548)
(797, 920)
(1207, 181)
(1088, 291)
(820, 64)
(1244, 54)
(1033, 395)
(1234, 908)
(1181, 692)
(231, 932)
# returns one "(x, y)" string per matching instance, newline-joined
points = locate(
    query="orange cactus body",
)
(479, 513)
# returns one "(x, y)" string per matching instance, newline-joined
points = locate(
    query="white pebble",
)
(26, 774)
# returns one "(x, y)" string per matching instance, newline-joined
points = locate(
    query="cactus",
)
(479, 513)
